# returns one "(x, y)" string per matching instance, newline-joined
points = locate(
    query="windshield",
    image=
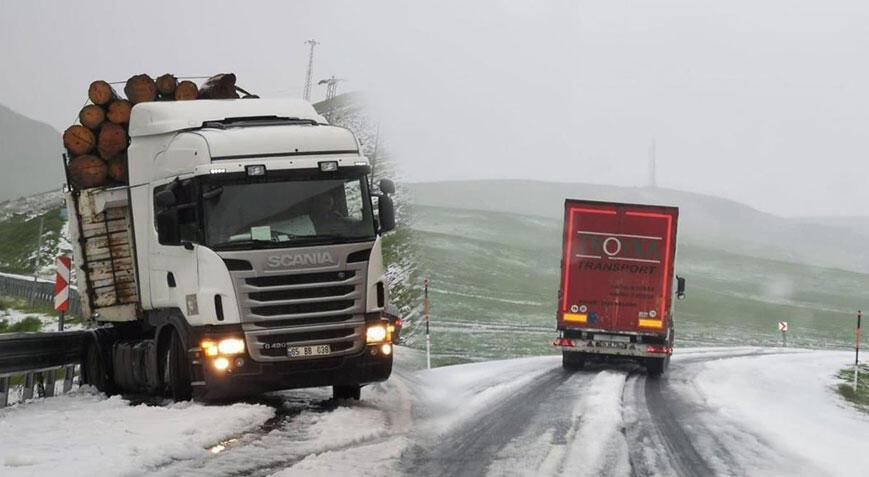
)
(292, 210)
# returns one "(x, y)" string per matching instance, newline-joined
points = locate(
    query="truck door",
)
(173, 269)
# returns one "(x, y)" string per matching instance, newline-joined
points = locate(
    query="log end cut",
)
(119, 111)
(101, 93)
(166, 85)
(92, 116)
(186, 90)
(87, 171)
(79, 140)
(140, 89)
(118, 168)
(112, 140)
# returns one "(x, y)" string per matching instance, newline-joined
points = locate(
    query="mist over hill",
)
(30, 154)
(705, 221)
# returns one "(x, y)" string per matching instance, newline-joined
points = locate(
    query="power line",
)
(313, 43)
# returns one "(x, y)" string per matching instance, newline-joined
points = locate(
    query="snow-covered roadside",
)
(85, 433)
(49, 323)
(789, 400)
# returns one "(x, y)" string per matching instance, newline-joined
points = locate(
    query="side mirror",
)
(387, 186)
(168, 230)
(680, 288)
(386, 213)
(166, 198)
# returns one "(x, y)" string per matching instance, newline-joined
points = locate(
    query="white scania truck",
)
(243, 257)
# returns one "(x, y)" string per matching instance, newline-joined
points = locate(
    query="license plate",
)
(302, 351)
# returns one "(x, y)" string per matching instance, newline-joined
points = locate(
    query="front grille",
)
(316, 320)
(301, 279)
(301, 294)
(306, 336)
(302, 308)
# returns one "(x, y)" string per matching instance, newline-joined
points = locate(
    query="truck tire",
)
(572, 360)
(657, 366)
(94, 370)
(176, 370)
(353, 391)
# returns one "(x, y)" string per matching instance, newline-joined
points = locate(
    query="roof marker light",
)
(329, 166)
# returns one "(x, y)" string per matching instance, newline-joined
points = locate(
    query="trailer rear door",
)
(617, 266)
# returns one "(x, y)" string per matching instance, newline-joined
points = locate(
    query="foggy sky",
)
(765, 102)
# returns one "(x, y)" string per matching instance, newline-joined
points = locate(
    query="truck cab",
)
(255, 257)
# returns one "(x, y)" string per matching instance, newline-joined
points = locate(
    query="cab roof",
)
(158, 117)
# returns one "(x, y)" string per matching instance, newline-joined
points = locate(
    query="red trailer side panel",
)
(617, 266)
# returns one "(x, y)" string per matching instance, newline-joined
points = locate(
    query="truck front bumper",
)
(245, 377)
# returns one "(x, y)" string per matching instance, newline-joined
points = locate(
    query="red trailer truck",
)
(617, 283)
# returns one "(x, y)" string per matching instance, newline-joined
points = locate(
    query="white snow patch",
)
(789, 401)
(84, 433)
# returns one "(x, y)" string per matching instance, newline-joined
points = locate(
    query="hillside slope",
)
(30, 153)
(704, 220)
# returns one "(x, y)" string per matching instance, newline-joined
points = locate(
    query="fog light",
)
(239, 363)
(375, 333)
(221, 363)
(329, 166)
(231, 346)
(386, 349)
(209, 347)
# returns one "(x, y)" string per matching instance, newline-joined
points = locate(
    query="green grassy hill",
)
(495, 278)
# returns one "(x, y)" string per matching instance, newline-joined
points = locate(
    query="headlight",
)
(209, 347)
(375, 333)
(231, 346)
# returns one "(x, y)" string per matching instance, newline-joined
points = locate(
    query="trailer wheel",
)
(94, 370)
(176, 370)
(347, 392)
(657, 366)
(572, 360)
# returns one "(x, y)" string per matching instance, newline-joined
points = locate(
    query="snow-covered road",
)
(725, 411)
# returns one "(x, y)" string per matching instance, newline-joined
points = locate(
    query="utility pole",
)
(331, 92)
(653, 172)
(310, 73)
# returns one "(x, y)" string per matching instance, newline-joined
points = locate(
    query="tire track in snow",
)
(469, 449)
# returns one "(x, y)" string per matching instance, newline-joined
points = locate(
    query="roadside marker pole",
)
(857, 340)
(783, 327)
(61, 287)
(425, 305)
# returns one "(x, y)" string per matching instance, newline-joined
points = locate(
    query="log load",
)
(117, 167)
(98, 146)
(119, 111)
(87, 171)
(79, 140)
(92, 116)
(220, 86)
(166, 85)
(140, 89)
(111, 141)
(101, 93)
(186, 90)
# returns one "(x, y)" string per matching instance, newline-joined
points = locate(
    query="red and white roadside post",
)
(857, 349)
(61, 287)
(783, 327)
(425, 305)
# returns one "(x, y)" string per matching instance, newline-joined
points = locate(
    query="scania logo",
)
(301, 259)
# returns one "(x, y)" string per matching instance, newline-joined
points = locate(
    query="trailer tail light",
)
(564, 342)
(659, 349)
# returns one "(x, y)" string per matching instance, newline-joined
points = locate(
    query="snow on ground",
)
(85, 433)
(49, 323)
(790, 401)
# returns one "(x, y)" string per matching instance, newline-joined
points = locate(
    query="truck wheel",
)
(657, 366)
(347, 392)
(94, 370)
(572, 360)
(176, 370)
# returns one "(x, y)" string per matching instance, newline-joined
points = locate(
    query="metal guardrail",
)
(37, 358)
(40, 292)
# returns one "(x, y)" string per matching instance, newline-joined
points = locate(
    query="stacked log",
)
(97, 147)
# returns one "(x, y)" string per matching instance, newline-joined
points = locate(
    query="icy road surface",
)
(725, 411)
